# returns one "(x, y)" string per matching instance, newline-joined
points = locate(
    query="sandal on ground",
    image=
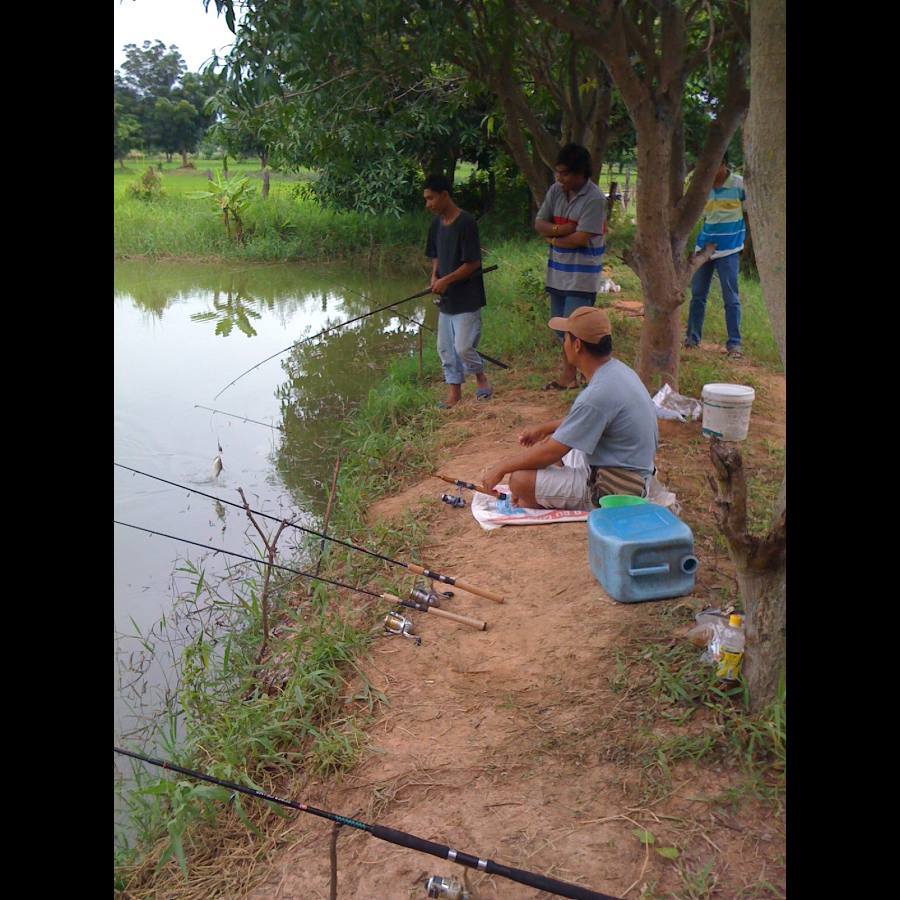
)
(734, 354)
(484, 393)
(556, 386)
(442, 404)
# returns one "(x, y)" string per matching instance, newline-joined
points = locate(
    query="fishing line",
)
(394, 836)
(236, 416)
(418, 570)
(409, 604)
(333, 328)
(422, 324)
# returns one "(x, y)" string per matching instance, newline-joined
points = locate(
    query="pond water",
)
(183, 331)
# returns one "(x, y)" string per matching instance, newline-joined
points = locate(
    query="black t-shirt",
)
(453, 245)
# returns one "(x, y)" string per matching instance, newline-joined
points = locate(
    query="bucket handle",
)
(650, 570)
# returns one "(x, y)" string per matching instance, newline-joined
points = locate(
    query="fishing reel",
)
(455, 500)
(396, 623)
(427, 595)
(451, 888)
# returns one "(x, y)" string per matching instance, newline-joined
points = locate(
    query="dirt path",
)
(511, 743)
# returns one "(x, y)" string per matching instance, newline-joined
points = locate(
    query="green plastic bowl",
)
(611, 501)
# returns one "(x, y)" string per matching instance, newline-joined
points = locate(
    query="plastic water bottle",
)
(731, 649)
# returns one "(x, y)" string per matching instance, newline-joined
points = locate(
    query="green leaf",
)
(239, 809)
(645, 837)
(668, 852)
(175, 844)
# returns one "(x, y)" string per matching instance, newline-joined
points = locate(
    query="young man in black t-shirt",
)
(455, 252)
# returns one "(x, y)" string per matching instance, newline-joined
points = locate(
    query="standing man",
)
(607, 442)
(723, 225)
(455, 252)
(572, 219)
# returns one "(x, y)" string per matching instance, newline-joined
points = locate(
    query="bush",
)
(149, 187)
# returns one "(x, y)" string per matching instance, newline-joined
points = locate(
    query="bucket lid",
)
(728, 391)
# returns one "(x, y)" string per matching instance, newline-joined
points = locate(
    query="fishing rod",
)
(416, 569)
(222, 412)
(472, 487)
(394, 836)
(409, 604)
(333, 328)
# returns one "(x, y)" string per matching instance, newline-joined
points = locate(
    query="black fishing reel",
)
(451, 888)
(455, 500)
(396, 623)
(427, 595)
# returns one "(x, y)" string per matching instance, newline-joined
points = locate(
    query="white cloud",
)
(181, 22)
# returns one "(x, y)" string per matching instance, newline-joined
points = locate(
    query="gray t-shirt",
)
(576, 268)
(613, 420)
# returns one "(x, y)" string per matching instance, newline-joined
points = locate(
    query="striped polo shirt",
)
(576, 268)
(723, 218)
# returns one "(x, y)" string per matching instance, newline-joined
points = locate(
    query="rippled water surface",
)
(182, 333)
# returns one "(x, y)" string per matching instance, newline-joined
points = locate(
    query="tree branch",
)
(733, 109)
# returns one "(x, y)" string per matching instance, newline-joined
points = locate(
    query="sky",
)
(181, 22)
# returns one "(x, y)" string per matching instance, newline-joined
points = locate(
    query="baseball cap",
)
(587, 322)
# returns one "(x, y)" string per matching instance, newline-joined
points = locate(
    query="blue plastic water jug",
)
(641, 553)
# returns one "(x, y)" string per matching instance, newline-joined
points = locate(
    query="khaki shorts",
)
(566, 486)
(574, 486)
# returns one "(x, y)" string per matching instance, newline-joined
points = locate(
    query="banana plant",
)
(231, 196)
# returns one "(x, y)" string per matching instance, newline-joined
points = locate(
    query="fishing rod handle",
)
(456, 617)
(541, 882)
(446, 579)
(472, 487)
(481, 592)
(442, 613)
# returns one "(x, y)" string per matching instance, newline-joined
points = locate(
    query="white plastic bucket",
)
(726, 410)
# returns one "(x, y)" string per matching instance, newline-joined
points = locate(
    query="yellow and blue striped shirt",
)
(723, 218)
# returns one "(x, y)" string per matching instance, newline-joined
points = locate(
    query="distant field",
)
(177, 181)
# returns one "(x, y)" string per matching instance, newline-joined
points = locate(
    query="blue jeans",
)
(727, 267)
(565, 303)
(457, 338)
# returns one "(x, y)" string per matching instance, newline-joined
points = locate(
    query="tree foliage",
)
(168, 104)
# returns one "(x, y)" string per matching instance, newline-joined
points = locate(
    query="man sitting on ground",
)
(607, 442)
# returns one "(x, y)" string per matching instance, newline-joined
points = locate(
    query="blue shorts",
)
(564, 303)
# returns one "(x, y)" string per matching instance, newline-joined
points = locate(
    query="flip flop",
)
(484, 393)
(556, 386)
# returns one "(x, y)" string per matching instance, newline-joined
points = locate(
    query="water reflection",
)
(227, 313)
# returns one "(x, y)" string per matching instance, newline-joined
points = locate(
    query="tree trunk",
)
(763, 587)
(265, 185)
(184, 159)
(121, 162)
(760, 564)
(764, 158)
(660, 345)
(652, 260)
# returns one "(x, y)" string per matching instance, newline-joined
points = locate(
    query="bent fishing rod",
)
(392, 598)
(394, 836)
(412, 567)
(333, 328)
(222, 412)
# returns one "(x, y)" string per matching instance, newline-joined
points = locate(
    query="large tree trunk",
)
(764, 157)
(761, 576)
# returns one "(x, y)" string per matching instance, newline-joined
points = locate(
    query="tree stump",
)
(760, 564)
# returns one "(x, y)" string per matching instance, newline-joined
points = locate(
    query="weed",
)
(148, 188)
(697, 882)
